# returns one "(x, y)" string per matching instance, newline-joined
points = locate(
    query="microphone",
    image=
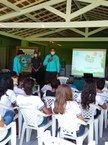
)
(51, 56)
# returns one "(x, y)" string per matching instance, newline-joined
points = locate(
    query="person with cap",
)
(36, 64)
(17, 66)
(52, 65)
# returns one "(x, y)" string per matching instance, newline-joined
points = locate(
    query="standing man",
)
(36, 64)
(17, 66)
(52, 65)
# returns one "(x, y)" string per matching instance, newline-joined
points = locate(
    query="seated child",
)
(100, 89)
(14, 77)
(68, 108)
(46, 87)
(10, 92)
(54, 84)
(33, 101)
(18, 89)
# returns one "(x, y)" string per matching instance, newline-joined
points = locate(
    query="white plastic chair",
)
(20, 122)
(101, 122)
(106, 84)
(12, 136)
(70, 131)
(104, 113)
(50, 140)
(17, 116)
(48, 100)
(63, 79)
(106, 143)
(89, 115)
(102, 117)
(75, 94)
(31, 117)
(92, 143)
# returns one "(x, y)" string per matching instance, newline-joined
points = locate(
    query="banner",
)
(26, 58)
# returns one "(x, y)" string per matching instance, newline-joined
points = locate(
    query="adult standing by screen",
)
(17, 66)
(52, 65)
(36, 64)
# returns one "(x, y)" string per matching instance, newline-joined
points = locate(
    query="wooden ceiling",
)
(54, 20)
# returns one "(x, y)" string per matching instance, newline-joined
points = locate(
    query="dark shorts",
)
(50, 76)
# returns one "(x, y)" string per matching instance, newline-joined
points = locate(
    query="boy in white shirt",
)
(100, 89)
(46, 87)
(32, 101)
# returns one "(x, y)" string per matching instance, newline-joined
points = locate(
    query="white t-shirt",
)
(31, 101)
(104, 95)
(45, 88)
(18, 91)
(7, 99)
(71, 107)
(12, 96)
(2, 133)
(100, 100)
(72, 111)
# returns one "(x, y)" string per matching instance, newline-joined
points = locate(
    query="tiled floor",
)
(33, 140)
